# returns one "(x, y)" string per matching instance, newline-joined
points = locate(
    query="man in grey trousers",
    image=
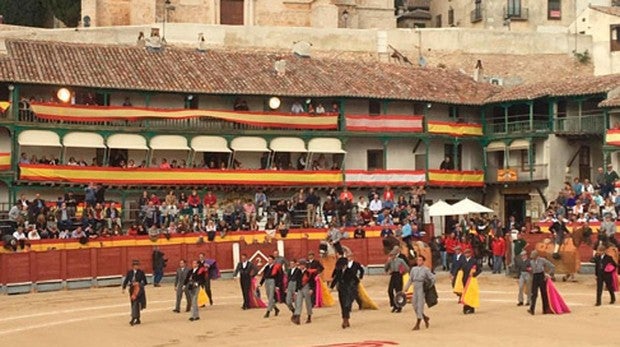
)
(524, 269)
(179, 280)
(293, 277)
(305, 289)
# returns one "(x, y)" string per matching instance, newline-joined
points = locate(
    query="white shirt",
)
(376, 205)
(19, 236)
(350, 263)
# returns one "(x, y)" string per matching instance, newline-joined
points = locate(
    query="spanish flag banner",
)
(385, 123)
(81, 113)
(5, 161)
(454, 128)
(142, 176)
(450, 178)
(612, 137)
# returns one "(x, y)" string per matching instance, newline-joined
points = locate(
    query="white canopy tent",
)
(441, 208)
(467, 206)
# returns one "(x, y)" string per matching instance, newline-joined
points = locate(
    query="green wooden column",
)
(455, 153)
(530, 158)
(531, 111)
(341, 117)
(505, 118)
(384, 144)
(551, 110)
(14, 98)
(426, 148)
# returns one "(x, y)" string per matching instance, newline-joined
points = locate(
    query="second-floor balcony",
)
(454, 128)
(522, 173)
(476, 15)
(516, 13)
(158, 118)
(519, 124)
(588, 124)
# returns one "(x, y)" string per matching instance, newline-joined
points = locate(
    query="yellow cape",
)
(328, 299)
(202, 297)
(471, 293)
(458, 283)
(367, 302)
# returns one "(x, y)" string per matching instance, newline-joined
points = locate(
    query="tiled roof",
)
(610, 102)
(572, 86)
(611, 10)
(229, 72)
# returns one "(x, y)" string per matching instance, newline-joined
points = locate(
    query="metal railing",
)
(516, 13)
(476, 15)
(521, 173)
(588, 124)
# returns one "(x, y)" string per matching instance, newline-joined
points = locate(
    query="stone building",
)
(360, 14)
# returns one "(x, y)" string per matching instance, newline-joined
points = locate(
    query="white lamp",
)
(64, 95)
(274, 103)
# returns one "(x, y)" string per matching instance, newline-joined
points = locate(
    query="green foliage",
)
(40, 13)
(584, 57)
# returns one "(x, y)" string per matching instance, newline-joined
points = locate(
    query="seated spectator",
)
(64, 217)
(78, 233)
(64, 234)
(164, 164)
(297, 108)
(33, 234)
(19, 234)
(320, 109)
(282, 229)
(375, 205)
(329, 208)
(386, 231)
(359, 232)
(113, 216)
(72, 162)
(211, 230)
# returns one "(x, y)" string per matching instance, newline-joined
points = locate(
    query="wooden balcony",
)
(539, 172)
(454, 128)
(380, 178)
(580, 125)
(384, 123)
(454, 178)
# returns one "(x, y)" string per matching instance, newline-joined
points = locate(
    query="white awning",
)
(288, 144)
(519, 144)
(83, 140)
(496, 146)
(249, 144)
(127, 141)
(43, 138)
(210, 144)
(169, 142)
(325, 145)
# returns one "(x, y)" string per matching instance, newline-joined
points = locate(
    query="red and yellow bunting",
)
(449, 178)
(612, 137)
(118, 176)
(5, 161)
(454, 128)
(112, 113)
(385, 123)
(4, 105)
(358, 178)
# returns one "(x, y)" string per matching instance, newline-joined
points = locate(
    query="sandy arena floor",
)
(99, 317)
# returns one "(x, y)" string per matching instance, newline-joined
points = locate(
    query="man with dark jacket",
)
(246, 270)
(159, 263)
(137, 296)
(602, 262)
(306, 286)
(194, 280)
(179, 282)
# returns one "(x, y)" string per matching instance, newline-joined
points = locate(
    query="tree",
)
(40, 13)
(32, 13)
(67, 11)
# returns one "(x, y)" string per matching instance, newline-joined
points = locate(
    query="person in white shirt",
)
(64, 234)
(375, 205)
(19, 234)
(362, 204)
(297, 108)
(33, 234)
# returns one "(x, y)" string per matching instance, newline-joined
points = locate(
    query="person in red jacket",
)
(210, 199)
(451, 241)
(499, 250)
(194, 202)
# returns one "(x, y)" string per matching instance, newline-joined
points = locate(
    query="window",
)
(513, 9)
(438, 21)
(614, 37)
(451, 17)
(374, 159)
(374, 107)
(525, 162)
(554, 9)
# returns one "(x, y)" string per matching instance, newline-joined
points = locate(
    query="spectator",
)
(297, 108)
(446, 164)
(320, 109)
(359, 232)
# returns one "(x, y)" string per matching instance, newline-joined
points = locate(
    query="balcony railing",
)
(519, 124)
(590, 124)
(516, 13)
(519, 173)
(153, 118)
(476, 15)
(455, 178)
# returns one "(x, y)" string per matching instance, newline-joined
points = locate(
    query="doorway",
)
(514, 205)
(231, 12)
(584, 163)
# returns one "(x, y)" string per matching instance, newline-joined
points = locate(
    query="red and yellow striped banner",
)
(612, 137)
(139, 176)
(450, 178)
(385, 123)
(5, 161)
(111, 113)
(454, 128)
(4, 105)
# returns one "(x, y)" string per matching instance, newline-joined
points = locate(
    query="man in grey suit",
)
(179, 280)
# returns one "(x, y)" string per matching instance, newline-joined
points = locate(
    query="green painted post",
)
(505, 118)
(14, 102)
(531, 105)
(530, 159)
(385, 143)
(341, 115)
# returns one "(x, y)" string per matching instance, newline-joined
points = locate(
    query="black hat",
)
(400, 299)
(135, 262)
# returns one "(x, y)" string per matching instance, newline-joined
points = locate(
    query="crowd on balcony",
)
(278, 164)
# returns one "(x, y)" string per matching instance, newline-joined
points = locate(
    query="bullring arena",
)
(98, 317)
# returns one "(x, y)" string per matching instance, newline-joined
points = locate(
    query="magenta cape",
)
(556, 303)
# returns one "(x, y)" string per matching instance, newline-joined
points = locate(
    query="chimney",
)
(478, 71)
(280, 66)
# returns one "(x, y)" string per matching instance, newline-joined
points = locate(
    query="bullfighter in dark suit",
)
(137, 296)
